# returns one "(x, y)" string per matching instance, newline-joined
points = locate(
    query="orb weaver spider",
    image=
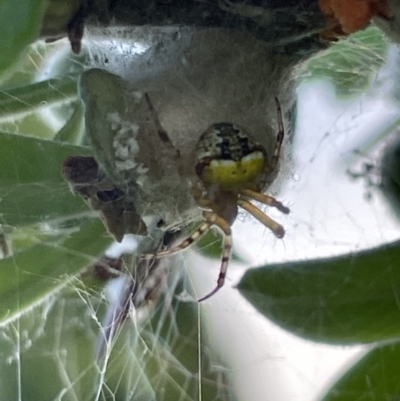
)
(232, 169)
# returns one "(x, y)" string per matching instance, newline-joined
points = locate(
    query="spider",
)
(232, 169)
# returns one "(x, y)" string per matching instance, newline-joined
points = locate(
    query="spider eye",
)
(229, 157)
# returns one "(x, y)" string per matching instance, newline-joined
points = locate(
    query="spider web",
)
(154, 355)
(48, 353)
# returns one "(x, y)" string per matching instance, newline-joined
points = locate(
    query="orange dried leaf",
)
(348, 16)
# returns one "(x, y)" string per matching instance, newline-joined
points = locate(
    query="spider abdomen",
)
(229, 157)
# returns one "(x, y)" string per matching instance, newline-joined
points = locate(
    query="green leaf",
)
(350, 63)
(103, 93)
(19, 25)
(73, 130)
(30, 276)
(348, 299)
(32, 189)
(390, 175)
(376, 377)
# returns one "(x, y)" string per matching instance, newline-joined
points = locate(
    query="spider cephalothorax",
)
(232, 169)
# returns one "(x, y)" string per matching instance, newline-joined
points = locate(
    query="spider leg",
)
(279, 137)
(214, 219)
(275, 227)
(266, 199)
(211, 220)
(183, 245)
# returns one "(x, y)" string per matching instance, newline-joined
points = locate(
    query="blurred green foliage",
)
(349, 64)
(350, 299)
(20, 24)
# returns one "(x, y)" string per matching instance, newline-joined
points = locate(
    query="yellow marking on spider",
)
(230, 174)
